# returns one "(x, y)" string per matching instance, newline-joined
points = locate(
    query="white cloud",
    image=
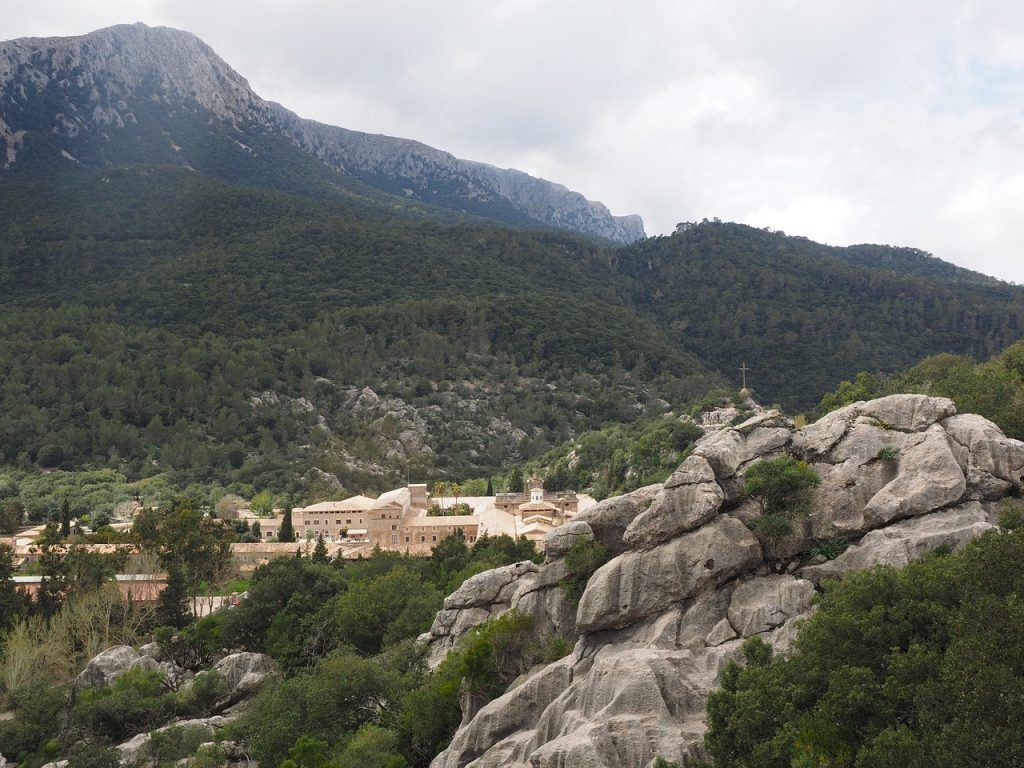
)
(885, 122)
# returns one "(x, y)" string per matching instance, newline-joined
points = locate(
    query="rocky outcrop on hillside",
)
(900, 476)
(244, 674)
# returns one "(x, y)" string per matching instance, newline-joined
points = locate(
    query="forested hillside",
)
(156, 320)
(804, 315)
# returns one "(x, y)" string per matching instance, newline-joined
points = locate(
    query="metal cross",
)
(744, 369)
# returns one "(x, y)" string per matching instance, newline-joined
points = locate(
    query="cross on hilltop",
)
(743, 370)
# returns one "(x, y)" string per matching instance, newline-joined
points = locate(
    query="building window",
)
(394, 538)
(433, 538)
(423, 539)
(394, 527)
(349, 521)
(406, 539)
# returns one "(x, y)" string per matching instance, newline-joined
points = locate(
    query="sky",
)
(847, 122)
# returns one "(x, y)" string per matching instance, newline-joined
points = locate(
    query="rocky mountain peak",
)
(63, 92)
(110, 66)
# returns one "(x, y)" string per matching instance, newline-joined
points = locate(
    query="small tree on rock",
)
(780, 487)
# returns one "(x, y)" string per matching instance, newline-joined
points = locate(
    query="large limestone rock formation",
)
(901, 476)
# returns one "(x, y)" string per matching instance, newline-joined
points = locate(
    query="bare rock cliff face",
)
(657, 623)
(415, 169)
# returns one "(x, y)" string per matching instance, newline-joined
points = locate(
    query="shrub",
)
(87, 754)
(137, 701)
(195, 645)
(199, 696)
(829, 549)
(371, 747)
(338, 695)
(1011, 516)
(491, 656)
(583, 558)
(172, 744)
(36, 709)
(779, 486)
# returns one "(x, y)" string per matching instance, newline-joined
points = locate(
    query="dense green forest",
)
(160, 322)
(804, 316)
(165, 324)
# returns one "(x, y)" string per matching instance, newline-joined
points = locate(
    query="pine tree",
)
(490, 488)
(515, 481)
(172, 605)
(65, 519)
(287, 532)
(320, 551)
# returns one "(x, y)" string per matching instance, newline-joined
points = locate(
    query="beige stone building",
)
(396, 520)
(536, 511)
(400, 519)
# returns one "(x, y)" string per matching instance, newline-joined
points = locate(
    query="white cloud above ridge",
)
(867, 122)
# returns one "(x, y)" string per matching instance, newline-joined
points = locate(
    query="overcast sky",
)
(871, 121)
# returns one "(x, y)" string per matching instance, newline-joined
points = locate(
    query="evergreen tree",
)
(490, 488)
(172, 605)
(287, 532)
(320, 551)
(515, 481)
(65, 519)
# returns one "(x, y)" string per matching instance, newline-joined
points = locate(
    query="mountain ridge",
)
(94, 83)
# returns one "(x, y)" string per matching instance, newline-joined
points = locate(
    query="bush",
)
(195, 645)
(138, 701)
(337, 696)
(87, 754)
(829, 549)
(491, 656)
(1011, 516)
(199, 696)
(779, 486)
(583, 558)
(172, 744)
(371, 747)
(36, 709)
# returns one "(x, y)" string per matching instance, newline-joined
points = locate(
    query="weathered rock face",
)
(901, 476)
(639, 584)
(104, 669)
(245, 673)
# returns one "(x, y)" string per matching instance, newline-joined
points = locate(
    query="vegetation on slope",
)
(341, 631)
(914, 667)
(994, 389)
(804, 315)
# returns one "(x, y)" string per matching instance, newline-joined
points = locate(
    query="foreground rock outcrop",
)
(900, 476)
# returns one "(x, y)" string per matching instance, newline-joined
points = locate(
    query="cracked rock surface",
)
(686, 585)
